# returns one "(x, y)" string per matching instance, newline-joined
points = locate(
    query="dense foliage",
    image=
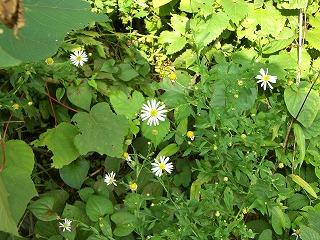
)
(163, 119)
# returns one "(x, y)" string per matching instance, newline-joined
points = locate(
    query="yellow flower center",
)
(125, 155)
(49, 61)
(162, 166)
(79, 58)
(190, 134)
(133, 186)
(266, 78)
(154, 112)
(16, 106)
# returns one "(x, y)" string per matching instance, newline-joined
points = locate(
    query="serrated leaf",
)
(52, 20)
(294, 100)
(80, 95)
(308, 233)
(177, 45)
(276, 45)
(312, 36)
(60, 141)
(16, 186)
(101, 131)
(236, 10)
(207, 31)
(127, 72)
(128, 107)
(179, 23)
(302, 183)
(279, 220)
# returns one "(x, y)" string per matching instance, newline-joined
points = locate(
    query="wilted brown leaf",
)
(11, 14)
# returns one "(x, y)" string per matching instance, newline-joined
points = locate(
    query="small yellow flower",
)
(217, 214)
(133, 186)
(281, 165)
(172, 76)
(49, 61)
(225, 179)
(30, 103)
(243, 136)
(190, 134)
(290, 82)
(236, 96)
(240, 82)
(15, 106)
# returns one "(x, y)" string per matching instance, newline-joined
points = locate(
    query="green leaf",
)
(7, 223)
(312, 36)
(159, 3)
(179, 23)
(308, 233)
(60, 141)
(175, 41)
(314, 129)
(123, 230)
(266, 235)
(155, 133)
(52, 20)
(294, 99)
(279, 220)
(127, 107)
(80, 96)
(126, 72)
(302, 183)
(228, 198)
(123, 217)
(102, 131)
(76, 212)
(169, 150)
(75, 173)
(16, 186)
(98, 206)
(196, 186)
(207, 31)
(300, 140)
(236, 10)
(276, 45)
(43, 208)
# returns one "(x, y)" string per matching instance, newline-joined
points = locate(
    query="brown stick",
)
(3, 146)
(52, 108)
(62, 104)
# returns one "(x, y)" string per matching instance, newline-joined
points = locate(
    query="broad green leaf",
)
(236, 10)
(308, 233)
(7, 60)
(312, 36)
(76, 212)
(98, 206)
(128, 107)
(60, 141)
(80, 96)
(297, 201)
(294, 4)
(7, 223)
(175, 41)
(52, 20)
(276, 45)
(101, 131)
(123, 217)
(127, 72)
(279, 220)
(207, 31)
(169, 150)
(43, 208)
(159, 3)
(123, 230)
(16, 186)
(302, 183)
(314, 129)
(179, 23)
(155, 133)
(75, 173)
(300, 140)
(265, 235)
(294, 99)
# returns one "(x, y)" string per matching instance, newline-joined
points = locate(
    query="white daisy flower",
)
(265, 79)
(78, 58)
(110, 179)
(66, 225)
(153, 112)
(162, 165)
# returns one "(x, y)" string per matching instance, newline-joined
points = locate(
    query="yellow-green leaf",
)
(302, 183)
